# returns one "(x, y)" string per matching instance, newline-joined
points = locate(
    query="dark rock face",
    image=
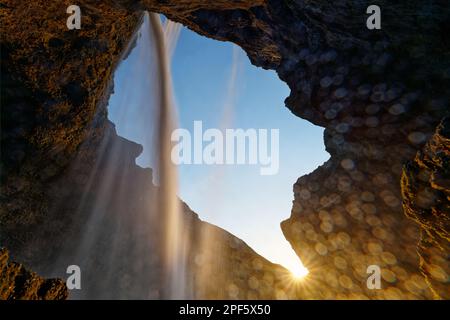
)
(379, 94)
(425, 189)
(16, 282)
(51, 96)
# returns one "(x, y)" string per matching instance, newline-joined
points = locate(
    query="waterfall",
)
(173, 239)
(127, 236)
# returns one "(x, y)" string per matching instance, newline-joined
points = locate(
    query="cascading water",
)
(128, 246)
(174, 259)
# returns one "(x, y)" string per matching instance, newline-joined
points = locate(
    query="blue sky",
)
(234, 197)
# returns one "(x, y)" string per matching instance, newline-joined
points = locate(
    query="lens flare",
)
(298, 272)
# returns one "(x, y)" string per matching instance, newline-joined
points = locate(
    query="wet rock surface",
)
(425, 189)
(380, 95)
(16, 282)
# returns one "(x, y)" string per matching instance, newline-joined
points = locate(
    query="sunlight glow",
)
(292, 262)
(299, 272)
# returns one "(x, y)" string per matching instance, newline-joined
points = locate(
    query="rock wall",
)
(16, 282)
(379, 94)
(425, 189)
(54, 88)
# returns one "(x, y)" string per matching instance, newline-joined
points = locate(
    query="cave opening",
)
(73, 194)
(215, 84)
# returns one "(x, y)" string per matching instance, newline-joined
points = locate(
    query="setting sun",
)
(299, 272)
